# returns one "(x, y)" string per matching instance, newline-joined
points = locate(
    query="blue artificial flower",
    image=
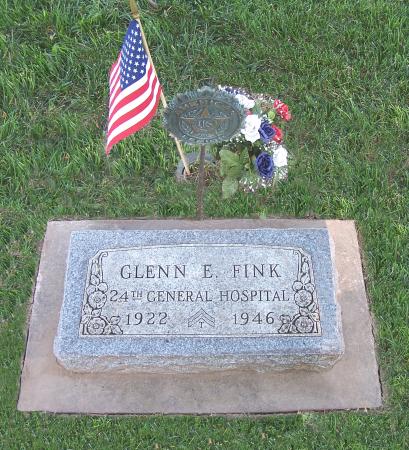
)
(267, 132)
(265, 165)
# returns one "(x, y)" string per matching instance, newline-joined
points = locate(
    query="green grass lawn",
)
(341, 66)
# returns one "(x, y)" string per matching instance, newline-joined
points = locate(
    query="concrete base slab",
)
(351, 384)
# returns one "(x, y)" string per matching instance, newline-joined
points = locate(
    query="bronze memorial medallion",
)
(205, 116)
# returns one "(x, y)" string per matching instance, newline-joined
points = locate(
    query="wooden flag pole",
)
(136, 16)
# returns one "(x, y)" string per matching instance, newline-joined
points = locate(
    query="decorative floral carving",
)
(307, 320)
(96, 325)
(92, 320)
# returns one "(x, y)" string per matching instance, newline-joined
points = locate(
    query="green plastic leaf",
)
(229, 157)
(244, 158)
(271, 114)
(229, 187)
(230, 166)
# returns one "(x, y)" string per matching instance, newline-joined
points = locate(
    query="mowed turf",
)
(342, 68)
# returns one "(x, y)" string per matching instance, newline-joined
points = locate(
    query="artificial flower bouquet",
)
(256, 157)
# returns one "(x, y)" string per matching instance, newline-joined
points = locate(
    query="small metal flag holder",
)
(203, 117)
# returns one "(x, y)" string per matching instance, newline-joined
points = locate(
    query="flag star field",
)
(133, 57)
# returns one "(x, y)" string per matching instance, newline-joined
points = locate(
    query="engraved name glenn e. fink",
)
(128, 271)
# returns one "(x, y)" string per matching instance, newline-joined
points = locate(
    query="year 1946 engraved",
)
(148, 318)
(244, 318)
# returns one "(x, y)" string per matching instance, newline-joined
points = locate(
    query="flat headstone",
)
(353, 382)
(191, 300)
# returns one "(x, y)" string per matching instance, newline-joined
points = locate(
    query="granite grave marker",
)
(189, 300)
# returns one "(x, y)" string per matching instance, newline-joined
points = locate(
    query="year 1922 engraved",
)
(148, 318)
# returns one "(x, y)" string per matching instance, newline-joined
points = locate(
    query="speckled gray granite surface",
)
(191, 300)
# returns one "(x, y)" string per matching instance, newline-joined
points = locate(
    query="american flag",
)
(134, 89)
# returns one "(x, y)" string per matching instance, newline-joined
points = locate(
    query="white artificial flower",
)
(280, 156)
(252, 136)
(248, 103)
(251, 126)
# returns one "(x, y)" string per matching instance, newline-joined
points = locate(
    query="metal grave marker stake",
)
(203, 117)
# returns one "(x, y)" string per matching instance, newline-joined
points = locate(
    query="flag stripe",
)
(132, 96)
(134, 87)
(134, 128)
(136, 118)
(115, 92)
(116, 89)
(116, 84)
(114, 70)
(132, 102)
(134, 112)
(115, 78)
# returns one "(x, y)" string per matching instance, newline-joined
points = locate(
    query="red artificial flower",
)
(277, 103)
(282, 109)
(278, 136)
(287, 116)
